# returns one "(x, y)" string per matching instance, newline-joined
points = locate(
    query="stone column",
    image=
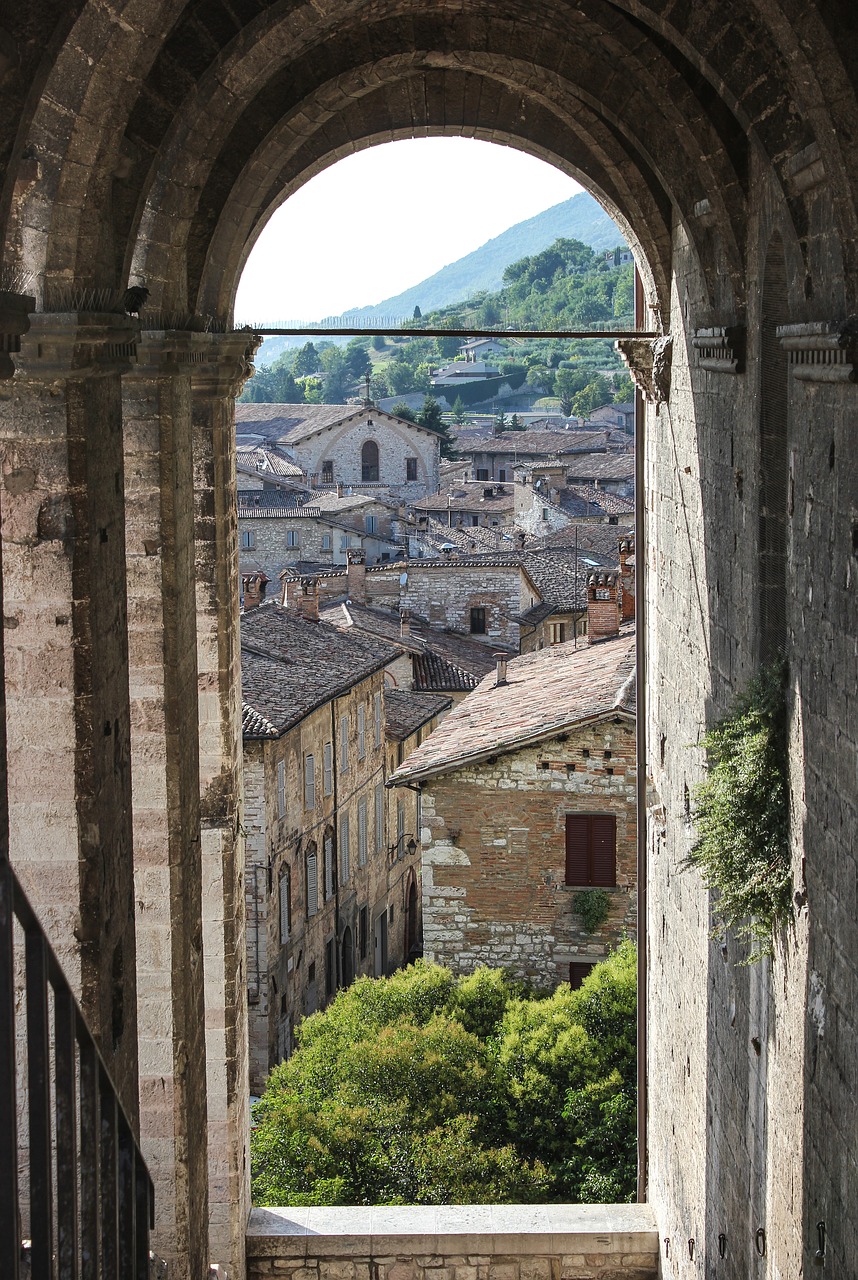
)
(166, 808)
(218, 648)
(63, 530)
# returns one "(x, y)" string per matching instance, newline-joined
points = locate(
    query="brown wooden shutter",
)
(577, 846)
(603, 849)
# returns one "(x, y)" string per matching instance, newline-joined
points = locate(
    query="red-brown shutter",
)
(577, 846)
(603, 850)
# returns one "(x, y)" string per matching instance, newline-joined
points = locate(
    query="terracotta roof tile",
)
(546, 692)
(405, 711)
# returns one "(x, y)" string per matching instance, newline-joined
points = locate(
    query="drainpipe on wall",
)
(641, 769)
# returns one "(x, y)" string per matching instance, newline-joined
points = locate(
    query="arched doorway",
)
(413, 931)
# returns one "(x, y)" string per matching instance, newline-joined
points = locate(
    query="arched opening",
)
(347, 958)
(413, 941)
(369, 471)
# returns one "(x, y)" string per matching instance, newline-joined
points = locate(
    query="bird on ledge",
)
(133, 299)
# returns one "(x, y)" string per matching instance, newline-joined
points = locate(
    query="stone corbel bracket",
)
(721, 349)
(15, 311)
(78, 344)
(228, 363)
(649, 361)
(822, 351)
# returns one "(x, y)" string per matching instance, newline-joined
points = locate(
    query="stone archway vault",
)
(154, 139)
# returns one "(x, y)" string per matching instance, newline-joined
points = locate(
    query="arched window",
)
(369, 462)
(347, 965)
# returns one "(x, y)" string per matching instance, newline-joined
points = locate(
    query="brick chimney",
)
(291, 592)
(356, 575)
(340, 488)
(308, 601)
(603, 609)
(627, 578)
(254, 585)
(405, 622)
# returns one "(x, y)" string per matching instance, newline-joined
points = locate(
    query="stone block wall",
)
(494, 888)
(445, 595)
(469, 1242)
(397, 440)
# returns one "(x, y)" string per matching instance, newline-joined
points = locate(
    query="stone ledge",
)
(484, 1230)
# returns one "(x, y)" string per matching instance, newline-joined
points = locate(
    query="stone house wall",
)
(397, 440)
(445, 595)
(292, 977)
(493, 836)
(312, 538)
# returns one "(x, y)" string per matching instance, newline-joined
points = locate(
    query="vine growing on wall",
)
(592, 906)
(741, 814)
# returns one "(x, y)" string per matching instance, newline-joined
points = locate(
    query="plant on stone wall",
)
(592, 906)
(741, 813)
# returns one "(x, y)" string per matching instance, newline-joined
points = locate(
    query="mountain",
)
(581, 218)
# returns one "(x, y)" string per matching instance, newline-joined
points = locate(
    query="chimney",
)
(500, 679)
(308, 601)
(404, 622)
(356, 575)
(603, 610)
(254, 585)
(291, 592)
(340, 489)
(627, 578)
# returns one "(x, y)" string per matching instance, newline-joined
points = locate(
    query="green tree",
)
(403, 410)
(596, 393)
(430, 416)
(426, 1089)
(306, 361)
(379, 342)
(459, 413)
(567, 382)
(416, 314)
(357, 360)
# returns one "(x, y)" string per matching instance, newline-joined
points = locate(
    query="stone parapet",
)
(466, 1242)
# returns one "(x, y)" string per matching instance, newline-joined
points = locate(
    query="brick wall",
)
(494, 888)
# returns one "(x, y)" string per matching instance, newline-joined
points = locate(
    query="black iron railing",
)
(72, 1178)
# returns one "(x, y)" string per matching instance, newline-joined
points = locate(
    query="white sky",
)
(380, 221)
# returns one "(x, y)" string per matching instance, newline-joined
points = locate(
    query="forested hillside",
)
(567, 285)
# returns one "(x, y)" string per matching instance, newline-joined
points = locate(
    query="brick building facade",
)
(528, 795)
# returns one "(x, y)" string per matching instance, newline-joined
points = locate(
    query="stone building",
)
(153, 142)
(496, 458)
(362, 447)
(333, 869)
(272, 538)
(528, 798)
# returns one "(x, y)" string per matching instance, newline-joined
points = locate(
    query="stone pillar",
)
(63, 529)
(215, 386)
(166, 806)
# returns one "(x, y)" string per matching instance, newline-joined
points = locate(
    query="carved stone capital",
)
(15, 311)
(721, 349)
(228, 363)
(822, 350)
(171, 351)
(649, 361)
(78, 344)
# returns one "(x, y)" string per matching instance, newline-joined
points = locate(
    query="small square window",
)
(248, 539)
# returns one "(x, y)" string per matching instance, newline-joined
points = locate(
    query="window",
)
(344, 744)
(312, 867)
(248, 539)
(501, 474)
(544, 513)
(482, 473)
(475, 520)
(591, 849)
(410, 469)
(285, 887)
(478, 622)
(344, 849)
(362, 831)
(309, 782)
(330, 881)
(376, 719)
(556, 632)
(369, 462)
(370, 523)
(330, 967)
(292, 538)
(281, 788)
(363, 932)
(327, 542)
(328, 769)
(578, 970)
(379, 817)
(345, 542)
(328, 471)
(361, 717)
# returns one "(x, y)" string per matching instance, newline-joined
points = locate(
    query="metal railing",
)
(73, 1179)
